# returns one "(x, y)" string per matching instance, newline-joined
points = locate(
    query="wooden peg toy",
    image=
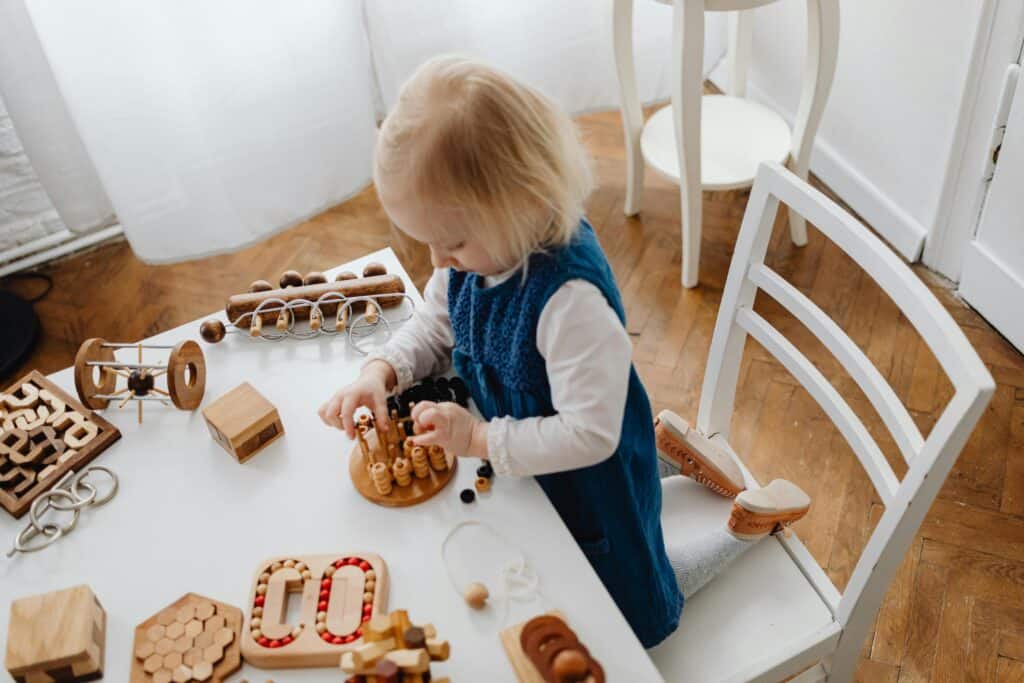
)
(184, 370)
(395, 650)
(437, 457)
(339, 596)
(545, 650)
(243, 422)
(58, 636)
(44, 434)
(194, 638)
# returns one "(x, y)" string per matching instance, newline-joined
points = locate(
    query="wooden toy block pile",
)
(395, 651)
(43, 434)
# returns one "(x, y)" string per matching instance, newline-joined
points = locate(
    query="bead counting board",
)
(43, 434)
(192, 639)
(339, 594)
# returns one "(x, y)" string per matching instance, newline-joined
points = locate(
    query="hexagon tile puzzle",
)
(192, 639)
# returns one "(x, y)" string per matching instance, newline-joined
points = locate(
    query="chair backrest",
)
(929, 459)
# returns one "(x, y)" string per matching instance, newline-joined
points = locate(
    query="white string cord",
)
(520, 582)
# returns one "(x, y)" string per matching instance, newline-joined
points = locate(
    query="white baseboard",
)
(879, 210)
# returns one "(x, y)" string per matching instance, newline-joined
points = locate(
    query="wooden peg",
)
(372, 312)
(399, 623)
(411, 661)
(284, 320)
(341, 322)
(256, 326)
(316, 319)
(367, 654)
(377, 628)
(439, 650)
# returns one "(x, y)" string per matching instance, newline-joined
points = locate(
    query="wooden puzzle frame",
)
(339, 594)
(55, 422)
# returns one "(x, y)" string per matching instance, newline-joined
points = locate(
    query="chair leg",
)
(687, 93)
(632, 115)
(822, 51)
(741, 25)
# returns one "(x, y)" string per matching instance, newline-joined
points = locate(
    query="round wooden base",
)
(401, 496)
(92, 350)
(186, 375)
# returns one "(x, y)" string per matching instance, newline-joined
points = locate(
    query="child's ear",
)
(413, 255)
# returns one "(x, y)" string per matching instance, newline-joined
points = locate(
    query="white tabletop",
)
(189, 518)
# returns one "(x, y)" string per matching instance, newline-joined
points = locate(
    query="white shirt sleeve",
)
(422, 346)
(588, 355)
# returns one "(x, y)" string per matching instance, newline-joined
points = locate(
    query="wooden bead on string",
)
(260, 286)
(476, 595)
(381, 478)
(314, 278)
(438, 460)
(290, 278)
(401, 470)
(212, 331)
(420, 467)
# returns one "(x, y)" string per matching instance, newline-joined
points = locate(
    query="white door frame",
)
(998, 40)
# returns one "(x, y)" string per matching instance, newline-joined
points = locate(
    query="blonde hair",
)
(471, 137)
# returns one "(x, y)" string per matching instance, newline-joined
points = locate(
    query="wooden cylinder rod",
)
(113, 345)
(240, 305)
(130, 366)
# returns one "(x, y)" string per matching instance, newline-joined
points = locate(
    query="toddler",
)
(492, 177)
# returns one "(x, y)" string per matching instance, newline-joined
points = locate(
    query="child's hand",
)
(451, 427)
(370, 390)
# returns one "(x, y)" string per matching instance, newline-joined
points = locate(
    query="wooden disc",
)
(401, 496)
(92, 350)
(186, 388)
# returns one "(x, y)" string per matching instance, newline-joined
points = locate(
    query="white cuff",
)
(402, 368)
(497, 446)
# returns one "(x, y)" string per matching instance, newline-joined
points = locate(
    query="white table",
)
(190, 518)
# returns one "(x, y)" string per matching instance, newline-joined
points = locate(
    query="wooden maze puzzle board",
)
(43, 434)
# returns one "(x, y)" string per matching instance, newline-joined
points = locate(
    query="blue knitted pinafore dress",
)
(613, 508)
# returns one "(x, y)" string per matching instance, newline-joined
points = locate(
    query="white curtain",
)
(213, 123)
(44, 127)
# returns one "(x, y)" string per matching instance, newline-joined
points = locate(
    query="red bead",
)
(364, 565)
(358, 633)
(350, 638)
(367, 608)
(286, 640)
(326, 583)
(259, 601)
(366, 617)
(337, 640)
(264, 641)
(321, 606)
(325, 636)
(275, 643)
(338, 564)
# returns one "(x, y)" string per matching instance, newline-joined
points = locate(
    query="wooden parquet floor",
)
(956, 608)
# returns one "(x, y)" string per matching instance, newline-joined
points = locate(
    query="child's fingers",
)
(380, 410)
(418, 409)
(348, 407)
(431, 438)
(430, 419)
(329, 412)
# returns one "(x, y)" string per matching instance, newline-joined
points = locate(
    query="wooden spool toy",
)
(545, 650)
(383, 474)
(395, 651)
(269, 312)
(338, 595)
(97, 371)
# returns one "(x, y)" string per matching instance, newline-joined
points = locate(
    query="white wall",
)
(889, 124)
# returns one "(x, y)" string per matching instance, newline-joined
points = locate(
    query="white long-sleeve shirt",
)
(588, 356)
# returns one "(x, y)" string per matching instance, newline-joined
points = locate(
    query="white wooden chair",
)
(716, 142)
(774, 612)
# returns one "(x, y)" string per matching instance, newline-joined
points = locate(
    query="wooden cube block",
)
(243, 421)
(56, 636)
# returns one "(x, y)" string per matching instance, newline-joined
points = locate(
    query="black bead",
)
(485, 470)
(467, 495)
(409, 430)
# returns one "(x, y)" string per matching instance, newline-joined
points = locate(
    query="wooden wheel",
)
(186, 375)
(92, 350)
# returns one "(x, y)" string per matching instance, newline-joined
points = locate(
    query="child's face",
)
(443, 229)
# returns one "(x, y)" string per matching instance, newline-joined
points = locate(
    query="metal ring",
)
(80, 477)
(34, 513)
(79, 503)
(51, 531)
(352, 340)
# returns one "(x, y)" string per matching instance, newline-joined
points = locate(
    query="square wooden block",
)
(56, 636)
(243, 421)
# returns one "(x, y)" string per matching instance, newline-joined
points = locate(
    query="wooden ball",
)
(570, 666)
(374, 268)
(212, 331)
(476, 595)
(482, 484)
(345, 275)
(290, 278)
(260, 286)
(314, 278)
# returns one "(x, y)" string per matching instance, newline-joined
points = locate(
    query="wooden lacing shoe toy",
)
(349, 305)
(97, 371)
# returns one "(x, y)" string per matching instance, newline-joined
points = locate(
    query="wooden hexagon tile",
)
(192, 639)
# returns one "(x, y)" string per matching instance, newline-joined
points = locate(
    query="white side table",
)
(715, 142)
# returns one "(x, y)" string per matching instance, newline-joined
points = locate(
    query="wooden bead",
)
(260, 286)
(370, 574)
(482, 484)
(212, 331)
(290, 278)
(476, 595)
(367, 597)
(289, 563)
(314, 278)
(264, 577)
(345, 275)
(570, 666)
(374, 268)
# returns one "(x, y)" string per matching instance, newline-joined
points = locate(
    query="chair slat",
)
(856, 434)
(908, 437)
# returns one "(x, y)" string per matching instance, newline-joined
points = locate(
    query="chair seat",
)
(756, 611)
